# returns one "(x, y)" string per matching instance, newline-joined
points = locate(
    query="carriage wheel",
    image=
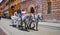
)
(35, 23)
(27, 26)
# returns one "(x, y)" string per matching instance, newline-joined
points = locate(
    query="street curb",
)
(5, 30)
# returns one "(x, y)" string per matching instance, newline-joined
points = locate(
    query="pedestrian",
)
(32, 14)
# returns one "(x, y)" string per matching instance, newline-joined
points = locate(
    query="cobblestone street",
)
(29, 17)
(43, 29)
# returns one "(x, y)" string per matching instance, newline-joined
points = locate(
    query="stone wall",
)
(55, 10)
(43, 8)
(26, 4)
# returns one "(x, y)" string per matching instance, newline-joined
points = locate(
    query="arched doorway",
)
(31, 8)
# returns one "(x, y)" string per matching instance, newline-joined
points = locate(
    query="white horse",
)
(34, 20)
(28, 19)
(15, 19)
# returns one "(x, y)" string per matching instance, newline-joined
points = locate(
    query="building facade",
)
(14, 5)
(2, 6)
(8, 7)
(50, 9)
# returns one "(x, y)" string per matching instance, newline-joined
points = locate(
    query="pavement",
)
(45, 28)
(50, 24)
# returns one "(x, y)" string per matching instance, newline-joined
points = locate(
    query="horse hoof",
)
(27, 30)
(36, 30)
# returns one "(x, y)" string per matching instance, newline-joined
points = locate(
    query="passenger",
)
(19, 12)
(23, 14)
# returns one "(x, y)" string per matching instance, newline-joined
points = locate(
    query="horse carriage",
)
(30, 20)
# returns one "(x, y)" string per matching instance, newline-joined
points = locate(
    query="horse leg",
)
(17, 25)
(30, 25)
(12, 21)
(37, 25)
(33, 26)
(26, 26)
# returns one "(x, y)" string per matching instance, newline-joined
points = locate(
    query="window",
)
(49, 8)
